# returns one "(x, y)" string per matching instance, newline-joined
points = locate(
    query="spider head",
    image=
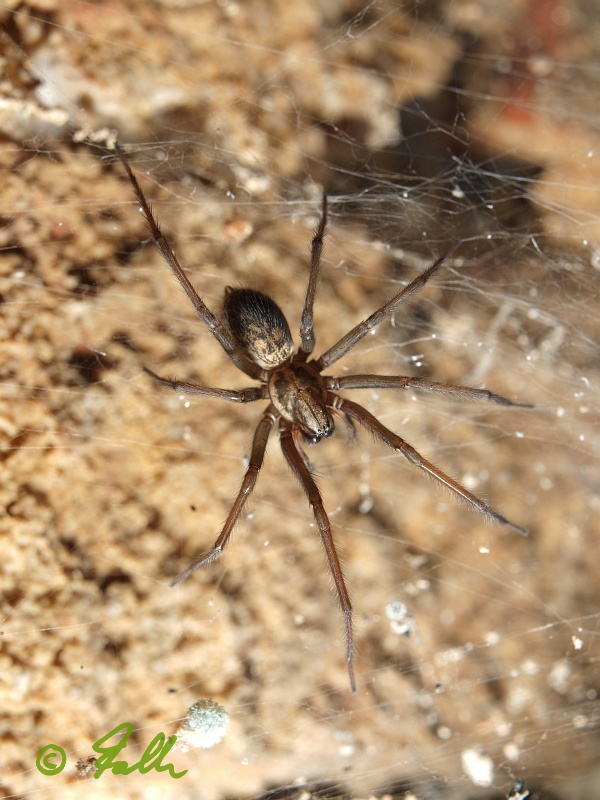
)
(310, 439)
(313, 419)
(258, 326)
(299, 393)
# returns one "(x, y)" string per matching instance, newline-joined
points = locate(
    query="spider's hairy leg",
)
(259, 444)
(247, 395)
(422, 384)
(307, 330)
(301, 471)
(215, 326)
(354, 336)
(372, 424)
(297, 434)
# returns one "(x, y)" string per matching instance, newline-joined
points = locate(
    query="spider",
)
(303, 402)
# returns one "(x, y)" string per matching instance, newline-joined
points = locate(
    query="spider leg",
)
(301, 471)
(348, 341)
(297, 435)
(233, 395)
(259, 444)
(218, 330)
(422, 384)
(372, 424)
(307, 330)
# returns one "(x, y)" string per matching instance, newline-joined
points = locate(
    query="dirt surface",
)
(234, 117)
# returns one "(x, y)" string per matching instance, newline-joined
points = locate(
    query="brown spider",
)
(255, 335)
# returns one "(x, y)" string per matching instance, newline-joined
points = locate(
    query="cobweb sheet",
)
(428, 125)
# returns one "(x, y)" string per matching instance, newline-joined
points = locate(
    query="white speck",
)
(511, 751)
(396, 610)
(470, 481)
(447, 617)
(530, 667)
(402, 621)
(519, 698)
(366, 504)
(580, 721)
(577, 642)
(416, 560)
(477, 767)
(484, 551)
(558, 678)
(205, 725)
(453, 656)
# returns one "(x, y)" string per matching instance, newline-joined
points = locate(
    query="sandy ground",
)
(109, 484)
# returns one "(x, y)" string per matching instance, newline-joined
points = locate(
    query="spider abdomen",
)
(299, 393)
(258, 326)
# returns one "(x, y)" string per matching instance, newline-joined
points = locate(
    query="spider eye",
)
(315, 438)
(258, 326)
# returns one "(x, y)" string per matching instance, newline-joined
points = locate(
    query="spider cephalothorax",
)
(254, 333)
(296, 388)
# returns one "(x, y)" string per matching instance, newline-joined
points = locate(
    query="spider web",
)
(427, 124)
